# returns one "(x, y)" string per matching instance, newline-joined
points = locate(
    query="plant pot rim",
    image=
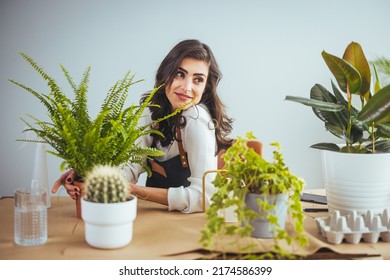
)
(278, 193)
(132, 198)
(127, 209)
(356, 154)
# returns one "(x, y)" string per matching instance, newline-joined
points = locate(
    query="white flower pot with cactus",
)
(108, 209)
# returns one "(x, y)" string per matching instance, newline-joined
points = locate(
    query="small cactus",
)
(106, 184)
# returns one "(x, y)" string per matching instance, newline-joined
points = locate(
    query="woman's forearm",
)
(157, 195)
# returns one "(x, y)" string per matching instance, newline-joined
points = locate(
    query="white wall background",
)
(266, 50)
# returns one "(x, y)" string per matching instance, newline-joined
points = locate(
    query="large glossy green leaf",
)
(320, 93)
(338, 95)
(336, 122)
(377, 109)
(383, 130)
(344, 72)
(338, 118)
(326, 146)
(331, 107)
(338, 131)
(341, 100)
(383, 146)
(356, 134)
(354, 54)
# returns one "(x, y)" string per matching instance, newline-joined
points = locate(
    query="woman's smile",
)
(184, 97)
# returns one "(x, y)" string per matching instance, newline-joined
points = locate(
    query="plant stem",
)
(373, 137)
(349, 124)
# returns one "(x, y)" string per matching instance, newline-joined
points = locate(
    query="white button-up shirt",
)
(199, 143)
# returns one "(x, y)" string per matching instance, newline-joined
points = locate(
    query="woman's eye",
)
(180, 74)
(199, 80)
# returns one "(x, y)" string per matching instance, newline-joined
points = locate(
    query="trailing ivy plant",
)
(111, 138)
(245, 171)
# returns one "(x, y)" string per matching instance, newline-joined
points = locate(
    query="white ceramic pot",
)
(229, 214)
(109, 225)
(356, 182)
(262, 228)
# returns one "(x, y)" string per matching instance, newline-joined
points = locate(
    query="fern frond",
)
(140, 109)
(42, 98)
(38, 68)
(68, 78)
(80, 107)
(55, 89)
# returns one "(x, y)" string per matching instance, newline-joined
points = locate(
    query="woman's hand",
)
(130, 187)
(72, 187)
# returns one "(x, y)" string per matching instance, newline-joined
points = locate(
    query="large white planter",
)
(359, 182)
(109, 225)
(262, 228)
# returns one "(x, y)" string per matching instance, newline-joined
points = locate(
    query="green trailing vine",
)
(245, 171)
(111, 138)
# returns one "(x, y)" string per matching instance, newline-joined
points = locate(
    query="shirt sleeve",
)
(200, 144)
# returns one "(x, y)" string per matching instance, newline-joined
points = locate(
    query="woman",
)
(193, 138)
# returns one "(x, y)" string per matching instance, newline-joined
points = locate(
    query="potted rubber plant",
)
(108, 209)
(112, 137)
(358, 113)
(264, 194)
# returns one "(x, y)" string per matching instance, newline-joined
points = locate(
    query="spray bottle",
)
(40, 174)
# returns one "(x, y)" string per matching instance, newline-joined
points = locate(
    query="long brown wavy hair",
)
(210, 99)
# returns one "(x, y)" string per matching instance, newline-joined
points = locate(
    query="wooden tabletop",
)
(158, 234)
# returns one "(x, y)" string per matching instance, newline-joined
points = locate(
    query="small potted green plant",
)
(356, 173)
(108, 209)
(112, 137)
(364, 130)
(274, 189)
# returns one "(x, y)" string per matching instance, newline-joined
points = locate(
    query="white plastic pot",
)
(109, 225)
(356, 182)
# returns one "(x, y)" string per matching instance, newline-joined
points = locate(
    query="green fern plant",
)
(112, 138)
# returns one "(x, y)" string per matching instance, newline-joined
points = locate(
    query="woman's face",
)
(188, 84)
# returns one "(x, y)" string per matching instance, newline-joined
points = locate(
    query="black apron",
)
(170, 173)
